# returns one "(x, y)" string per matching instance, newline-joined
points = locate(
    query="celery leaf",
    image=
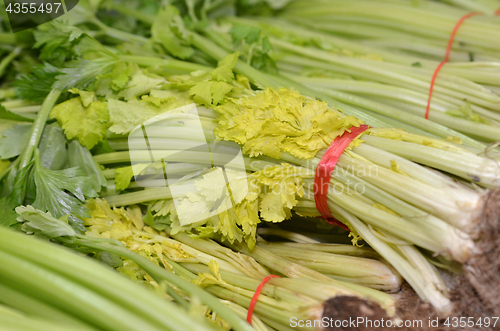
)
(14, 140)
(87, 124)
(275, 121)
(163, 34)
(39, 223)
(62, 192)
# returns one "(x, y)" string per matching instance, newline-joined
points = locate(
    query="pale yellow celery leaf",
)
(210, 93)
(238, 184)
(87, 124)
(215, 269)
(86, 96)
(224, 72)
(213, 185)
(125, 116)
(163, 207)
(205, 279)
(283, 183)
(141, 83)
(276, 121)
(121, 224)
(125, 174)
(135, 215)
(272, 191)
(356, 238)
(168, 97)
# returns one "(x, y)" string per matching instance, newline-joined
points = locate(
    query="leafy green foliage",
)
(81, 73)
(282, 120)
(8, 115)
(83, 118)
(14, 140)
(163, 34)
(246, 33)
(109, 84)
(43, 224)
(254, 46)
(209, 88)
(8, 217)
(125, 116)
(55, 41)
(125, 174)
(62, 192)
(13, 194)
(270, 193)
(53, 151)
(79, 156)
(141, 82)
(37, 85)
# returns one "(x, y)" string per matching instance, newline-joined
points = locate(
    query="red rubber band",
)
(447, 55)
(324, 172)
(255, 297)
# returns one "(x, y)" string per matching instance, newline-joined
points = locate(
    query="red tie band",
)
(255, 297)
(447, 54)
(325, 168)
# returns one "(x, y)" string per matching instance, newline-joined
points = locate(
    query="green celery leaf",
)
(14, 187)
(9, 216)
(37, 85)
(102, 147)
(14, 140)
(139, 84)
(82, 73)
(116, 80)
(125, 174)
(163, 33)
(210, 93)
(246, 33)
(62, 192)
(8, 115)
(43, 224)
(81, 157)
(53, 151)
(87, 124)
(13, 194)
(55, 42)
(125, 116)
(149, 219)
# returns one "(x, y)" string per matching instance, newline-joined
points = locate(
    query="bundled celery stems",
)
(422, 207)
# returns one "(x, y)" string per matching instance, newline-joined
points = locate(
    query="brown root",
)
(350, 309)
(418, 315)
(483, 269)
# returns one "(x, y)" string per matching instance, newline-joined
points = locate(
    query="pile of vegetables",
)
(276, 85)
